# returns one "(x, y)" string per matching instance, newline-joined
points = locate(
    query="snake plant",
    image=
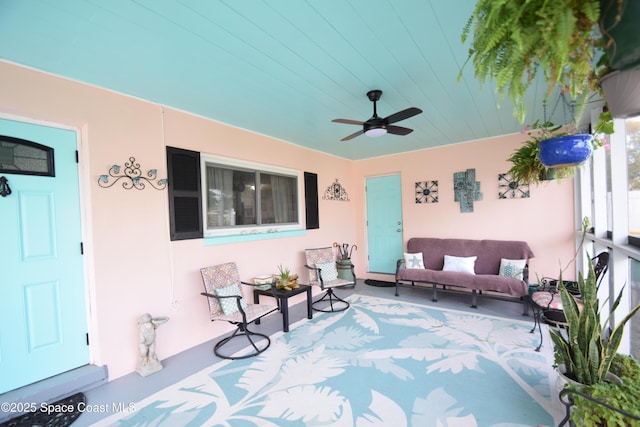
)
(586, 351)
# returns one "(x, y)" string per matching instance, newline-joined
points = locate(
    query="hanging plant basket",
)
(621, 90)
(566, 150)
(619, 28)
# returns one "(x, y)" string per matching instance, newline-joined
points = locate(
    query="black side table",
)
(282, 297)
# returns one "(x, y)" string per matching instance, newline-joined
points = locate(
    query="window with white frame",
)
(244, 197)
(633, 178)
(609, 188)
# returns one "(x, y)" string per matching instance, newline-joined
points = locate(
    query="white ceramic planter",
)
(562, 381)
(621, 90)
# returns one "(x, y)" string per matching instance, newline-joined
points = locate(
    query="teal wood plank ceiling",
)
(282, 68)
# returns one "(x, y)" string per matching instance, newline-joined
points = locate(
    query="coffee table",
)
(282, 296)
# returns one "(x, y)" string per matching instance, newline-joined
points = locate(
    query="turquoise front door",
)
(43, 325)
(384, 223)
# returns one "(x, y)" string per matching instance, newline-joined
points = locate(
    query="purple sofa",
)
(487, 267)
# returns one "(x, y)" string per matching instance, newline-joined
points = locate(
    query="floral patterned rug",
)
(380, 363)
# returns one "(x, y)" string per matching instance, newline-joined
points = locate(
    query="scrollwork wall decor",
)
(132, 177)
(508, 188)
(336, 192)
(427, 192)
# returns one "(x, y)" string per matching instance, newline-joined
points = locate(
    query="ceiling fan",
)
(378, 126)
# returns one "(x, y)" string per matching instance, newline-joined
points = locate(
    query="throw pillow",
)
(230, 305)
(512, 268)
(329, 270)
(460, 264)
(413, 260)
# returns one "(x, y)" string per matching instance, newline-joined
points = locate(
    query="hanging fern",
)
(513, 39)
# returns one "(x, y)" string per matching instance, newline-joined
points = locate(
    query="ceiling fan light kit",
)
(375, 131)
(377, 126)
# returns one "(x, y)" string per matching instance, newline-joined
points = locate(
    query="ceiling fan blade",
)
(398, 130)
(348, 122)
(404, 114)
(353, 135)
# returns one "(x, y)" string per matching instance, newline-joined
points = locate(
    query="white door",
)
(43, 325)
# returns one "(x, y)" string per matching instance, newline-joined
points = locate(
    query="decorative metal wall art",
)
(336, 192)
(508, 188)
(427, 192)
(466, 189)
(5, 190)
(132, 177)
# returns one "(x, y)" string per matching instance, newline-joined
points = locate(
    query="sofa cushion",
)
(459, 264)
(413, 260)
(512, 267)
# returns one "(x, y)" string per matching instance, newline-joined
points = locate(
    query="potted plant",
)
(552, 152)
(286, 280)
(512, 41)
(586, 352)
(527, 168)
(590, 411)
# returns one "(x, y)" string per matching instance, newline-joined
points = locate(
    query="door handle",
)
(399, 230)
(5, 190)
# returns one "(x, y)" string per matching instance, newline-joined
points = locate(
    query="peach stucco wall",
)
(131, 265)
(545, 219)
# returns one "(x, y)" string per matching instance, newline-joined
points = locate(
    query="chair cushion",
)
(550, 300)
(512, 268)
(329, 270)
(315, 256)
(546, 299)
(413, 260)
(459, 264)
(229, 305)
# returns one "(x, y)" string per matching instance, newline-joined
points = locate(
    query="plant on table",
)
(286, 280)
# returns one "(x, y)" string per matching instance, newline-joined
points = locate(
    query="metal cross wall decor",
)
(427, 192)
(508, 188)
(466, 189)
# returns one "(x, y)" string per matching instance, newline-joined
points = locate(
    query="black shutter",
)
(185, 196)
(311, 200)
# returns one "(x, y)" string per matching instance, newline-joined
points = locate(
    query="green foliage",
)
(526, 167)
(585, 353)
(623, 396)
(625, 367)
(284, 273)
(513, 40)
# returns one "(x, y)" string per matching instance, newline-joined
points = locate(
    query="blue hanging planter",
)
(567, 150)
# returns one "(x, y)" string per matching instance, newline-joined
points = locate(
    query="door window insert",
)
(22, 157)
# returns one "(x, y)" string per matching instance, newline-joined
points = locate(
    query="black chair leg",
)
(333, 299)
(250, 335)
(537, 312)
